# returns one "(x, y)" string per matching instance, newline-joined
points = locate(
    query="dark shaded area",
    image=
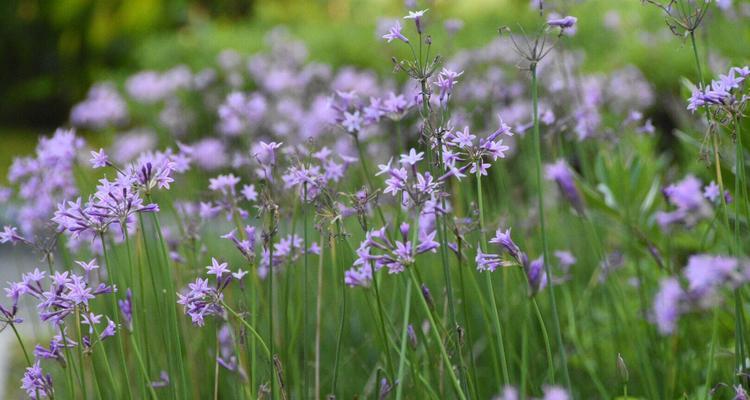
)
(53, 50)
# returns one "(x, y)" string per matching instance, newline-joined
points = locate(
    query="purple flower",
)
(10, 234)
(412, 158)
(154, 171)
(395, 255)
(217, 268)
(395, 33)
(666, 308)
(201, 300)
(711, 192)
(223, 183)
(352, 122)
(36, 383)
(688, 198)
(446, 80)
(241, 112)
(126, 308)
(265, 154)
(88, 266)
(565, 259)
(99, 159)
(464, 147)
(109, 331)
(91, 320)
(114, 202)
(163, 380)
(705, 273)
(536, 275)
(563, 23)
(102, 107)
(417, 17)
(78, 291)
(560, 173)
(249, 193)
(555, 393)
(488, 261)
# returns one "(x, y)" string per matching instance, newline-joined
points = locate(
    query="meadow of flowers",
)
(493, 222)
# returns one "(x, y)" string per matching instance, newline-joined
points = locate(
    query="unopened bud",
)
(622, 369)
(412, 336)
(427, 296)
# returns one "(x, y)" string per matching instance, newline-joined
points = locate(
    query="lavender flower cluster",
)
(280, 147)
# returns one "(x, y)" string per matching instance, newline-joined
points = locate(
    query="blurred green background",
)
(54, 50)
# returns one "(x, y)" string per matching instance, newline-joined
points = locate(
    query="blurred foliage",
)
(57, 49)
(54, 49)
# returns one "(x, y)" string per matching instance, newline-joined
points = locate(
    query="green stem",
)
(448, 365)
(173, 325)
(318, 317)
(490, 286)
(20, 342)
(121, 347)
(402, 353)
(545, 336)
(305, 282)
(366, 173)
(540, 199)
(271, 228)
(250, 328)
(342, 310)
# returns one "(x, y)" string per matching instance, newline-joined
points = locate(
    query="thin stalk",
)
(545, 336)
(342, 310)
(443, 238)
(216, 364)
(68, 366)
(389, 361)
(120, 345)
(318, 313)
(271, 229)
(20, 342)
(399, 381)
(172, 310)
(448, 365)
(540, 199)
(250, 328)
(108, 369)
(711, 354)
(366, 173)
(741, 193)
(725, 212)
(490, 286)
(306, 295)
(467, 320)
(139, 357)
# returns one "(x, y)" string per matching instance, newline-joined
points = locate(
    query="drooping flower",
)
(563, 23)
(10, 234)
(560, 173)
(534, 269)
(395, 33)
